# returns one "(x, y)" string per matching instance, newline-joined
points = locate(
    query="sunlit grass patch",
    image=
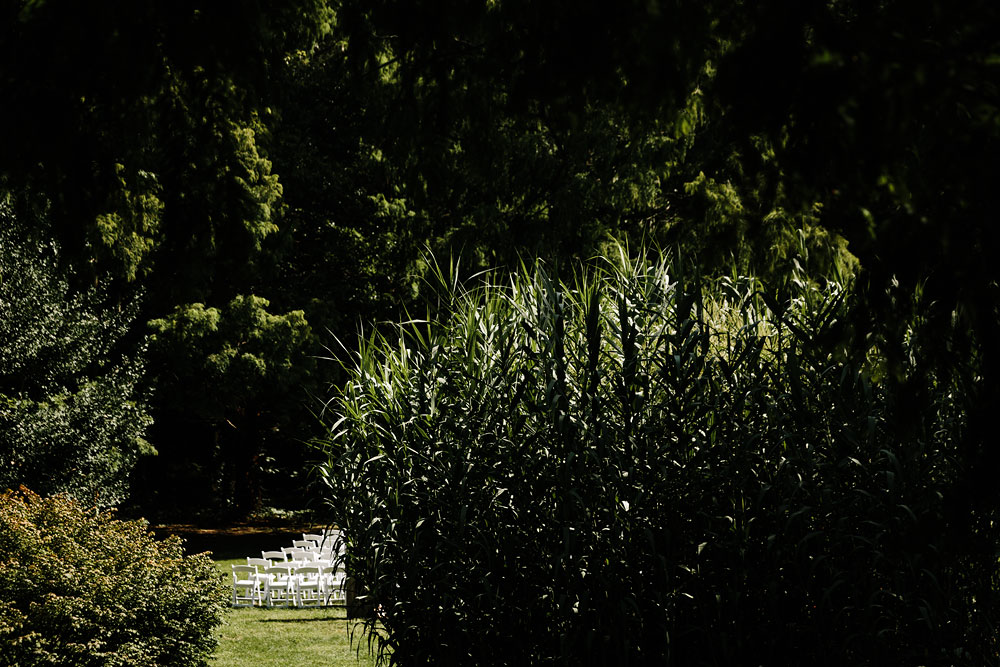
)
(280, 637)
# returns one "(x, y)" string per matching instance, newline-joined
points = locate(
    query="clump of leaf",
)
(633, 467)
(73, 412)
(80, 587)
(234, 376)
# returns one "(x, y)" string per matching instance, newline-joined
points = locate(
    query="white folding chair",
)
(279, 587)
(261, 565)
(274, 556)
(333, 584)
(246, 586)
(310, 589)
(332, 550)
(298, 554)
(332, 538)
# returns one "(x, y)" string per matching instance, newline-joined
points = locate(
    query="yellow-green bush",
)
(80, 587)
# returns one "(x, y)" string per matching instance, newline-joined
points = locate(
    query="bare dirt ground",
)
(236, 540)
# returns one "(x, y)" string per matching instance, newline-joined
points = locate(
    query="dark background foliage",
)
(214, 195)
(73, 410)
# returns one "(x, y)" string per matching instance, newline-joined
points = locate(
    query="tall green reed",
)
(631, 466)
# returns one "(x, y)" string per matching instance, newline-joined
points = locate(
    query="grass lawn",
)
(280, 637)
(273, 637)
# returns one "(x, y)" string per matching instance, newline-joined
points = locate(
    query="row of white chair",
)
(309, 573)
(298, 585)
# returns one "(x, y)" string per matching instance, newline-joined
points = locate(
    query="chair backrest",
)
(335, 554)
(243, 572)
(334, 546)
(297, 554)
(308, 572)
(259, 563)
(304, 544)
(274, 555)
(315, 537)
(281, 569)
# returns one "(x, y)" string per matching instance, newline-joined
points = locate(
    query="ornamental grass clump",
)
(632, 467)
(80, 587)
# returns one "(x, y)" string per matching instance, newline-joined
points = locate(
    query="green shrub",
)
(630, 468)
(81, 588)
(72, 409)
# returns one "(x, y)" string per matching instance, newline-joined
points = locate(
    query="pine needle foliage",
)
(635, 465)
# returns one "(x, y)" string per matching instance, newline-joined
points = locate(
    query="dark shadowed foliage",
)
(633, 466)
(73, 408)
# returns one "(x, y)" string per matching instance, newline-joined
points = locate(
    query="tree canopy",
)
(301, 159)
(213, 213)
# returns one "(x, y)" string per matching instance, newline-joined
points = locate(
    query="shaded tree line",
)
(241, 182)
